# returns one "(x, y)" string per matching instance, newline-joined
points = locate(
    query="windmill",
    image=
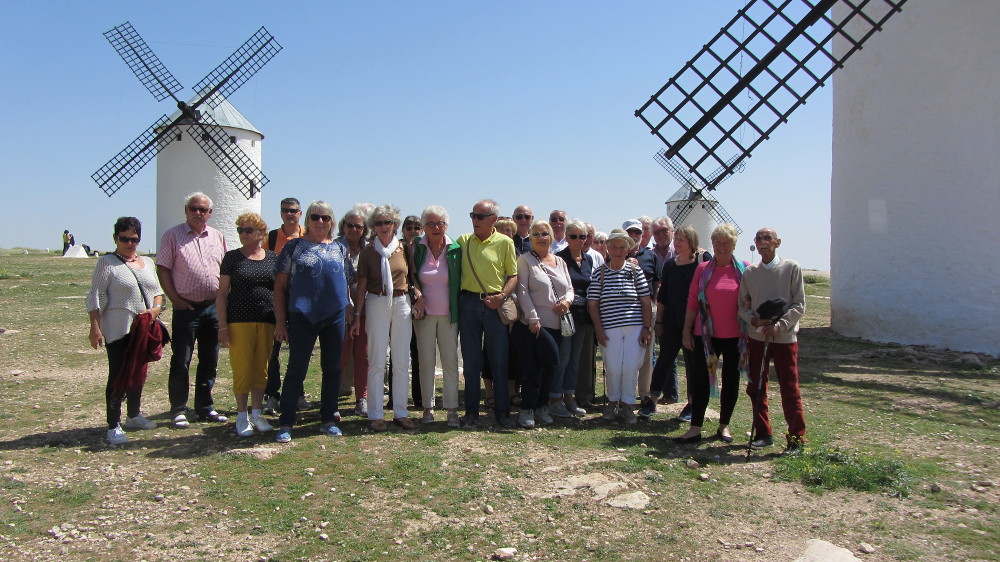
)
(751, 76)
(692, 204)
(204, 118)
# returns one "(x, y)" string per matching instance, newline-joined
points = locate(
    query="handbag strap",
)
(474, 274)
(136, 275)
(552, 285)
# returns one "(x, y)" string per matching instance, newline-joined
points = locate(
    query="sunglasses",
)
(290, 211)
(662, 231)
(245, 229)
(203, 210)
(128, 239)
(557, 219)
(413, 227)
(540, 234)
(354, 226)
(481, 216)
(577, 236)
(320, 218)
(522, 217)
(635, 231)
(388, 222)
(435, 224)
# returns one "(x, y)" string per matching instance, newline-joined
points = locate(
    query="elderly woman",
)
(437, 272)
(310, 298)
(599, 244)
(383, 286)
(581, 270)
(506, 226)
(124, 285)
(544, 294)
(245, 304)
(621, 311)
(353, 234)
(713, 329)
(675, 282)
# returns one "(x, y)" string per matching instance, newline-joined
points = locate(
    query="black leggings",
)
(665, 371)
(116, 356)
(728, 351)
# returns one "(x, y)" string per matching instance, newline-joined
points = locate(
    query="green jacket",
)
(453, 255)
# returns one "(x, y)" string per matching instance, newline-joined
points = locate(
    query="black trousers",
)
(116, 357)
(728, 350)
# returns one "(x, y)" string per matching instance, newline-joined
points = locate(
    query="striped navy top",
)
(618, 292)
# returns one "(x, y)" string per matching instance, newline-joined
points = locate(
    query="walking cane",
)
(772, 310)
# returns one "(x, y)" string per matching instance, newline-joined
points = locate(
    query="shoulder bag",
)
(508, 310)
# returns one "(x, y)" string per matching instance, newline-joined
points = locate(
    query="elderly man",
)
(291, 213)
(557, 219)
(489, 276)
(773, 278)
(651, 267)
(647, 231)
(663, 237)
(522, 218)
(188, 268)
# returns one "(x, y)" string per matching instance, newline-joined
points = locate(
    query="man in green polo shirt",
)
(489, 277)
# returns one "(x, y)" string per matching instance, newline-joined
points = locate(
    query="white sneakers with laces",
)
(116, 436)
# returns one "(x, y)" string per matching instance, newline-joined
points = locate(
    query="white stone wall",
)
(183, 167)
(915, 194)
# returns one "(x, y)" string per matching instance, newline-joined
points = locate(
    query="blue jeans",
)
(302, 336)
(202, 325)
(567, 372)
(479, 325)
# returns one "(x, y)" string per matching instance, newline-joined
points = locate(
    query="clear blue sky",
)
(410, 103)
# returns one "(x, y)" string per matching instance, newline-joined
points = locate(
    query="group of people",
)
(526, 299)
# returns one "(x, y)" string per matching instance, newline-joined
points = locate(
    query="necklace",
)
(127, 260)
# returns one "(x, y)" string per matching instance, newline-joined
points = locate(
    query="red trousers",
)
(786, 366)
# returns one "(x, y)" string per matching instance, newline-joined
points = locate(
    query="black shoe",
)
(647, 407)
(724, 438)
(792, 450)
(686, 440)
(685, 415)
(468, 422)
(213, 416)
(762, 442)
(507, 422)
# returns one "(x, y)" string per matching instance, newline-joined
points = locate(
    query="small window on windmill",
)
(178, 136)
(253, 143)
(232, 140)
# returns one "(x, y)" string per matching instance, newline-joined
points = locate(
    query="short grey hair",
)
(434, 210)
(726, 230)
(600, 236)
(354, 212)
(665, 221)
(390, 211)
(320, 207)
(539, 223)
(577, 225)
(491, 206)
(198, 194)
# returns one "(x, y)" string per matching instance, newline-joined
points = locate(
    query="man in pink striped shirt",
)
(188, 268)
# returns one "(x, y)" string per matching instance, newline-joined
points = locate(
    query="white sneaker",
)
(260, 424)
(243, 427)
(558, 409)
(543, 415)
(116, 436)
(573, 407)
(526, 419)
(271, 406)
(180, 420)
(139, 422)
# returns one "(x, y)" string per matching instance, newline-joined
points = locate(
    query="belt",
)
(202, 304)
(480, 296)
(395, 293)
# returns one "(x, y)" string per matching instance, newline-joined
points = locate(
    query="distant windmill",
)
(692, 204)
(205, 118)
(714, 112)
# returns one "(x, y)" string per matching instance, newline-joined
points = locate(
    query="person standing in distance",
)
(187, 266)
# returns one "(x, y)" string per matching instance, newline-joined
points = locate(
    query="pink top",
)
(434, 281)
(723, 293)
(193, 260)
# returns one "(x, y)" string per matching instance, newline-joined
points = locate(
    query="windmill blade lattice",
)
(237, 69)
(713, 112)
(144, 63)
(228, 156)
(116, 172)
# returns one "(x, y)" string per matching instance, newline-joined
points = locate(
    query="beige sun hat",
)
(619, 234)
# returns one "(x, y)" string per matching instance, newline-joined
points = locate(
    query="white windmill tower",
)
(208, 125)
(692, 204)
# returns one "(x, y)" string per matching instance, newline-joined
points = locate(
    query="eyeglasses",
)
(320, 218)
(557, 219)
(413, 227)
(577, 236)
(523, 216)
(662, 231)
(481, 216)
(435, 224)
(290, 211)
(354, 226)
(203, 210)
(245, 229)
(129, 239)
(540, 234)
(388, 222)
(635, 231)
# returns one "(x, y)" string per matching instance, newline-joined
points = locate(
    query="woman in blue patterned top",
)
(310, 296)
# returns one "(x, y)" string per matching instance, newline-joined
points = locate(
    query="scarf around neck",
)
(385, 252)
